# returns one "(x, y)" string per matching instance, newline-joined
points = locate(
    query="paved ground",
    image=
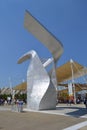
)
(63, 118)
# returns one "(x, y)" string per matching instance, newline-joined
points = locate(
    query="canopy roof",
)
(22, 86)
(78, 86)
(64, 72)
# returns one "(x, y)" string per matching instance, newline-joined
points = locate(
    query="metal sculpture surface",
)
(41, 85)
(41, 91)
(43, 35)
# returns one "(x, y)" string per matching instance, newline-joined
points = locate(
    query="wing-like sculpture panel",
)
(43, 35)
(41, 92)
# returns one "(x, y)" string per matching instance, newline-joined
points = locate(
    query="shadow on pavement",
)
(75, 111)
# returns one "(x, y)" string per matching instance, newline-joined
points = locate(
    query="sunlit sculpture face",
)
(41, 85)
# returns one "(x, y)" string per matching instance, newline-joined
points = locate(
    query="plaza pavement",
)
(65, 117)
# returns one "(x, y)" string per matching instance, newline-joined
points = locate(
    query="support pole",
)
(71, 61)
(10, 83)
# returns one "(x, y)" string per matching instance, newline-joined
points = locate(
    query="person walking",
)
(85, 102)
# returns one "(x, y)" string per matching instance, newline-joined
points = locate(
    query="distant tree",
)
(21, 96)
(64, 96)
(4, 96)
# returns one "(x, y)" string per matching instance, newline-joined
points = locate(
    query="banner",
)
(70, 91)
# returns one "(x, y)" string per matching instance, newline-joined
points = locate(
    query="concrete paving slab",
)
(77, 110)
(35, 121)
(62, 118)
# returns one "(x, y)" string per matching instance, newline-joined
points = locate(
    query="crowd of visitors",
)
(5, 102)
(17, 104)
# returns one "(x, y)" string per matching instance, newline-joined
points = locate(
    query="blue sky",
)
(66, 19)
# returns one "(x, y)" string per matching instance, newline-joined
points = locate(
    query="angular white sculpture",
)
(41, 91)
(41, 85)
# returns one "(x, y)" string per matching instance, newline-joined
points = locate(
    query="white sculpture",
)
(41, 92)
(41, 85)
